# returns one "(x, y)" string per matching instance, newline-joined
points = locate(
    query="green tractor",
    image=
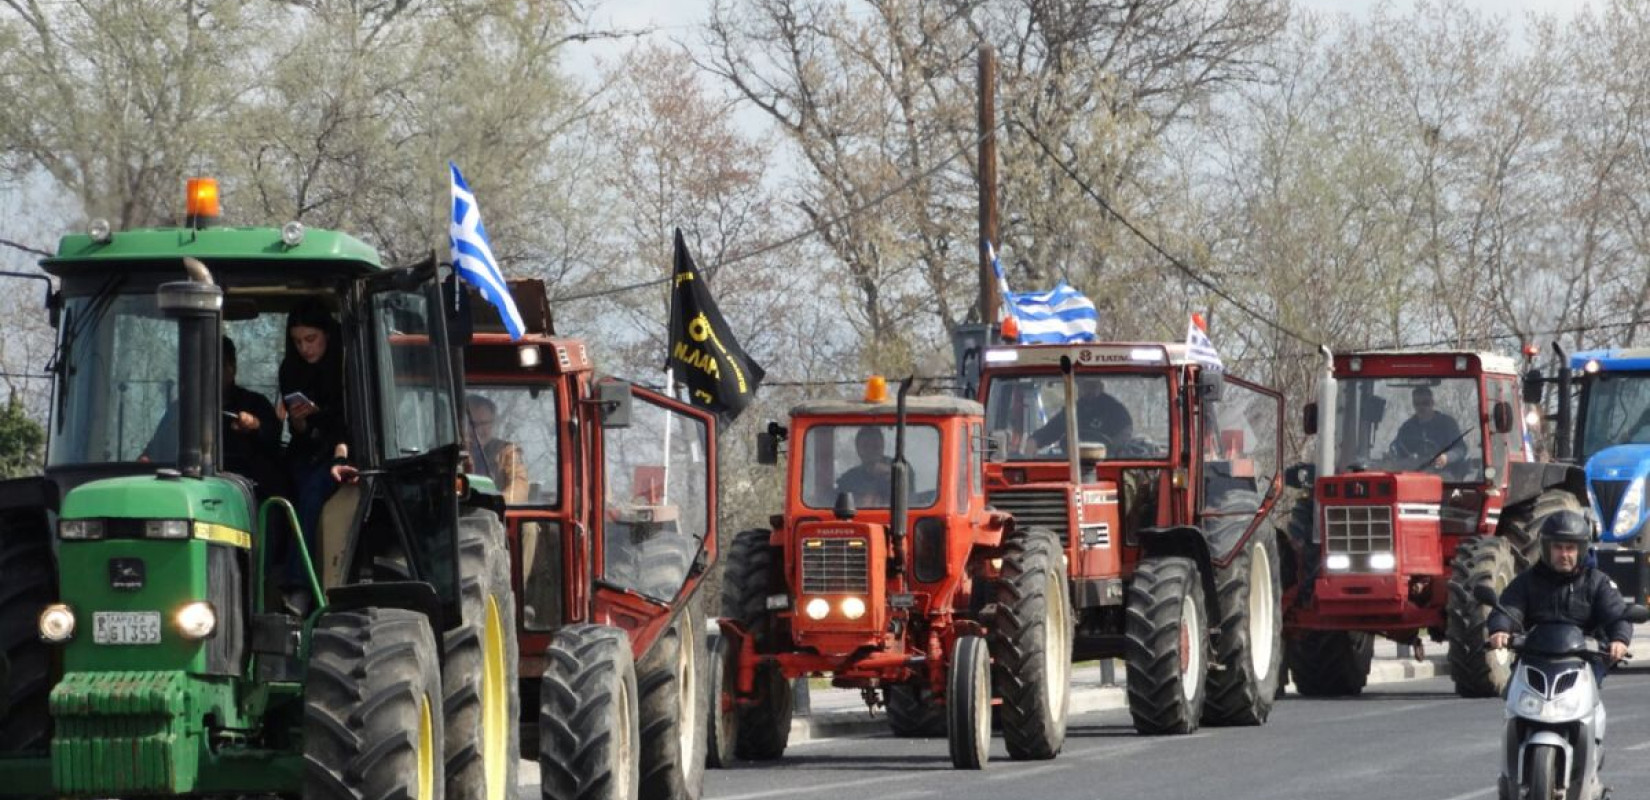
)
(144, 647)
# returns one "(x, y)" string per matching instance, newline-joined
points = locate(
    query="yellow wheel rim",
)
(495, 705)
(426, 751)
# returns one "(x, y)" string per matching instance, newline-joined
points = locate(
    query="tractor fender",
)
(1527, 480)
(1186, 541)
(415, 596)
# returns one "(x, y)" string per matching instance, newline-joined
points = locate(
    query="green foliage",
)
(21, 440)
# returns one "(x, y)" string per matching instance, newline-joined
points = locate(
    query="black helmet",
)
(1572, 527)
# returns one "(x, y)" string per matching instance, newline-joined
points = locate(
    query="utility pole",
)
(987, 93)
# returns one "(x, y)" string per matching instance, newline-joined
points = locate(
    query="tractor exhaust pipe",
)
(1326, 414)
(1073, 450)
(900, 474)
(1562, 444)
(197, 305)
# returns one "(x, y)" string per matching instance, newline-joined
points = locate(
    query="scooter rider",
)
(1562, 588)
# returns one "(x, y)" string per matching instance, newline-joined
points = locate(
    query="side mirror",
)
(767, 449)
(1638, 615)
(1211, 385)
(1485, 594)
(1501, 415)
(1309, 418)
(1300, 476)
(614, 398)
(1533, 387)
(996, 447)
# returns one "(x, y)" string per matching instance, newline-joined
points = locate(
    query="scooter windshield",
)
(1555, 639)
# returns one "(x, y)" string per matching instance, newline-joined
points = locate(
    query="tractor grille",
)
(831, 566)
(1042, 508)
(1609, 494)
(1357, 531)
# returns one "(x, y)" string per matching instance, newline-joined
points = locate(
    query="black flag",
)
(719, 376)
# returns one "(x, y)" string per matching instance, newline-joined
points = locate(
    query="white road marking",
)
(1470, 795)
(1636, 747)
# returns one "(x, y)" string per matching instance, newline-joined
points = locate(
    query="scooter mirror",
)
(1485, 594)
(1638, 615)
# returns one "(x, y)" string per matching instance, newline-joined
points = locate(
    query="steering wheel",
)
(1138, 447)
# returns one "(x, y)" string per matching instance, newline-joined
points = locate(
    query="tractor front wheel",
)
(1249, 643)
(1167, 646)
(913, 713)
(1031, 645)
(1475, 669)
(764, 726)
(968, 703)
(1330, 663)
(372, 708)
(671, 680)
(722, 729)
(480, 681)
(25, 661)
(587, 716)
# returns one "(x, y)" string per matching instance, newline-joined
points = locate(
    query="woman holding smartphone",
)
(312, 405)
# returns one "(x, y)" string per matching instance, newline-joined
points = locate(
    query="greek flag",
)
(473, 255)
(1199, 347)
(1057, 316)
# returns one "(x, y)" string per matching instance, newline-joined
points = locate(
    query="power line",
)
(805, 233)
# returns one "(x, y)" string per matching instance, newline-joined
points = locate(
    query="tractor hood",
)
(1615, 486)
(213, 501)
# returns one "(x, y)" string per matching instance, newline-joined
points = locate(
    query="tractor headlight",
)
(1632, 505)
(853, 608)
(197, 620)
(1338, 562)
(166, 529)
(80, 529)
(1381, 562)
(57, 623)
(817, 608)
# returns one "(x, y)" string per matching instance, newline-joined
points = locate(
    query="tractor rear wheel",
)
(1167, 646)
(722, 681)
(968, 703)
(372, 708)
(480, 680)
(587, 716)
(1523, 527)
(1248, 641)
(1031, 645)
(913, 713)
(1330, 663)
(26, 586)
(671, 683)
(764, 726)
(1476, 670)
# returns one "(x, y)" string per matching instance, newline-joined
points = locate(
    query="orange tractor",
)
(1156, 474)
(1423, 487)
(888, 572)
(610, 515)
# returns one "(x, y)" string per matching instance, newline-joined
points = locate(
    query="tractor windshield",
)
(510, 434)
(856, 459)
(1618, 411)
(1410, 425)
(1127, 414)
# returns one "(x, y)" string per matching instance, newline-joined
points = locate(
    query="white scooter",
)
(1554, 741)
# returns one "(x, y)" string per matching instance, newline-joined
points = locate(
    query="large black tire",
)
(481, 677)
(747, 580)
(27, 585)
(372, 708)
(587, 716)
(1475, 669)
(1543, 772)
(1167, 646)
(764, 726)
(913, 713)
(968, 703)
(1031, 645)
(1300, 565)
(1522, 526)
(722, 681)
(1330, 663)
(1248, 642)
(671, 683)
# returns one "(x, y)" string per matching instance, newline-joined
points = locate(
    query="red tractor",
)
(888, 572)
(610, 512)
(1159, 510)
(1423, 487)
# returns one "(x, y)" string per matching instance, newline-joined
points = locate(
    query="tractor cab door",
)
(657, 531)
(1242, 444)
(406, 433)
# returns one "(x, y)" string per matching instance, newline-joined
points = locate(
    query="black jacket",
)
(1426, 438)
(1584, 597)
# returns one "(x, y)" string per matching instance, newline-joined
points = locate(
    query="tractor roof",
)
(1430, 360)
(1108, 354)
(1629, 358)
(930, 405)
(213, 246)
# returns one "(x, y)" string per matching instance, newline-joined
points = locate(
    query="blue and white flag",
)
(1057, 316)
(473, 255)
(1199, 347)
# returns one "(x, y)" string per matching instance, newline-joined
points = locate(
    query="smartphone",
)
(297, 400)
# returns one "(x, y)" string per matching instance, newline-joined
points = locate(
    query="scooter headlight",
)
(817, 608)
(56, 623)
(1529, 704)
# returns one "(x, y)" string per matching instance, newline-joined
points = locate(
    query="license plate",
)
(126, 627)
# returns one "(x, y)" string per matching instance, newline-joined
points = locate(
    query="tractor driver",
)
(1100, 418)
(871, 482)
(1430, 433)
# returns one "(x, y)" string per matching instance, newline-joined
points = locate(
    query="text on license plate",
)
(126, 627)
